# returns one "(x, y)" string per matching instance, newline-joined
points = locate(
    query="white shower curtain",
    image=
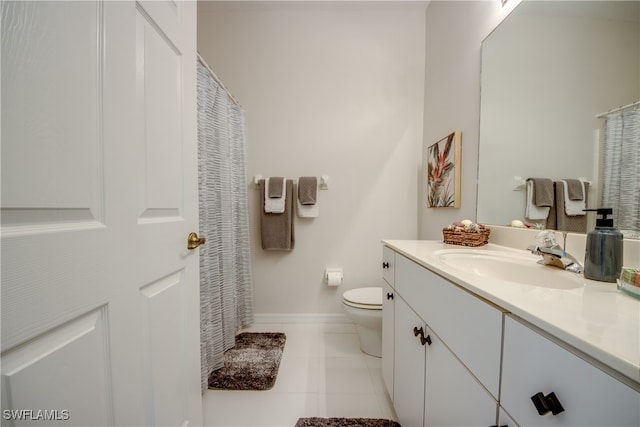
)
(226, 299)
(621, 168)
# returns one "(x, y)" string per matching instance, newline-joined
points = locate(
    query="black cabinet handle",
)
(545, 404)
(385, 265)
(539, 403)
(554, 404)
(423, 340)
(389, 295)
(499, 426)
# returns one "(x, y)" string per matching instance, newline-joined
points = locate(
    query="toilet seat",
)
(363, 298)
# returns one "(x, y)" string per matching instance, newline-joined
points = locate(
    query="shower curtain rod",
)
(215, 77)
(619, 109)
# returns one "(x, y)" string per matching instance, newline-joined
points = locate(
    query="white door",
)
(100, 296)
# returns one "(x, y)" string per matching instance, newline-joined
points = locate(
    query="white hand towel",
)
(573, 207)
(307, 211)
(273, 204)
(532, 211)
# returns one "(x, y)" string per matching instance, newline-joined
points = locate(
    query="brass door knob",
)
(193, 241)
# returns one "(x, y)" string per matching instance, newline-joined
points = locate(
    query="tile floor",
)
(322, 373)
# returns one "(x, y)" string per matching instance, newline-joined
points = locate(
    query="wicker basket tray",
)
(467, 238)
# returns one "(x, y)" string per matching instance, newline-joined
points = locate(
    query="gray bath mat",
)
(345, 422)
(252, 364)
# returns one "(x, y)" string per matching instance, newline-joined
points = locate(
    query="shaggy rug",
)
(345, 422)
(252, 364)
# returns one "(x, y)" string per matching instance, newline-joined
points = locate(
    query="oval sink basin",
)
(509, 267)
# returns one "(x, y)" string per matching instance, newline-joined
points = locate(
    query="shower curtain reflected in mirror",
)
(226, 300)
(621, 171)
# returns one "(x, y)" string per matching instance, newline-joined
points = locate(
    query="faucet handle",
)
(547, 239)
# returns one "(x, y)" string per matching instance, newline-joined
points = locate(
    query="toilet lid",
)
(369, 298)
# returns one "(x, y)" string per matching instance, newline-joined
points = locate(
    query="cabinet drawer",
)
(388, 265)
(412, 282)
(534, 364)
(470, 327)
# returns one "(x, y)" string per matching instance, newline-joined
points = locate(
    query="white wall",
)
(327, 89)
(454, 33)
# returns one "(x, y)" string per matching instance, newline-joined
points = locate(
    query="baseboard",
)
(320, 318)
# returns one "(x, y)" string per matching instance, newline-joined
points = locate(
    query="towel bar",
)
(323, 182)
(520, 184)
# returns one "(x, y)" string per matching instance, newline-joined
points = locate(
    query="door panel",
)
(51, 139)
(168, 15)
(159, 66)
(33, 373)
(163, 312)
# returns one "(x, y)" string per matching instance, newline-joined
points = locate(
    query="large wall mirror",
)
(548, 70)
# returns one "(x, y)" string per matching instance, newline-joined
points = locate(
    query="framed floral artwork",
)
(443, 172)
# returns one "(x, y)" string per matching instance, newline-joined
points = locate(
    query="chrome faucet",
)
(553, 255)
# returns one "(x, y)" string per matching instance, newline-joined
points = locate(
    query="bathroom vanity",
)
(488, 337)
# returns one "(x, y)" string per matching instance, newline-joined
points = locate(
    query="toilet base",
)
(370, 340)
(368, 320)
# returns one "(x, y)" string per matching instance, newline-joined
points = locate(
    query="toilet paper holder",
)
(333, 276)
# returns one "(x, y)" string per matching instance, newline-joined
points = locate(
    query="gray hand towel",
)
(576, 191)
(542, 192)
(275, 187)
(307, 190)
(564, 222)
(276, 229)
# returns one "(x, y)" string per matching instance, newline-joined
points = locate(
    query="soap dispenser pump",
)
(603, 253)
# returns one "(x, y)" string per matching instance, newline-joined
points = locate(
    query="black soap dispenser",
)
(603, 254)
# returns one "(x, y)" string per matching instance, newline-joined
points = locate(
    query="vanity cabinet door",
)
(388, 265)
(388, 342)
(453, 397)
(471, 327)
(408, 389)
(534, 364)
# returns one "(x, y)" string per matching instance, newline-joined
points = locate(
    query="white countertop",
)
(595, 318)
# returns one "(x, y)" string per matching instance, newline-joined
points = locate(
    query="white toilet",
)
(364, 307)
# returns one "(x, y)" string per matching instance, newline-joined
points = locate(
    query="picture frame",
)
(443, 171)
